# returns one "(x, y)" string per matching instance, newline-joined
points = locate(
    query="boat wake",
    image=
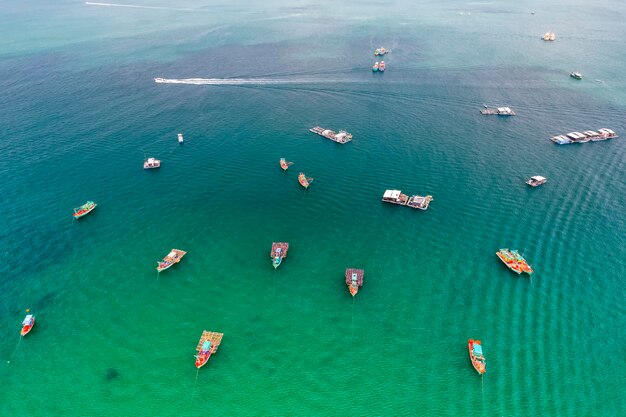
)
(135, 6)
(235, 81)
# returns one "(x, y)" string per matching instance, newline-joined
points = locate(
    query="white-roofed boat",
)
(499, 111)
(395, 197)
(549, 36)
(151, 163)
(341, 137)
(536, 181)
(27, 324)
(586, 136)
(180, 138)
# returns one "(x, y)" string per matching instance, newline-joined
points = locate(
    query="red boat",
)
(354, 279)
(284, 164)
(203, 354)
(304, 181)
(27, 324)
(476, 355)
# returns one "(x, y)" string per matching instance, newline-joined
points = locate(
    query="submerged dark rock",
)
(112, 373)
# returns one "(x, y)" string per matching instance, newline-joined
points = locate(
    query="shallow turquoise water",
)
(80, 108)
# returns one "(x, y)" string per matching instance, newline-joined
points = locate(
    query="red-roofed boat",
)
(27, 324)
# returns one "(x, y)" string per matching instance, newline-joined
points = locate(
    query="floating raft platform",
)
(341, 137)
(213, 337)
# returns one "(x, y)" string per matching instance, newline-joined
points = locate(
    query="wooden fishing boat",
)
(278, 253)
(84, 210)
(354, 279)
(208, 344)
(284, 164)
(514, 261)
(304, 181)
(172, 258)
(476, 355)
(27, 324)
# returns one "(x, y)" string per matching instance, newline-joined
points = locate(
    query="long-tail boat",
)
(284, 164)
(84, 210)
(27, 324)
(354, 279)
(304, 181)
(514, 261)
(172, 258)
(208, 344)
(278, 253)
(476, 355)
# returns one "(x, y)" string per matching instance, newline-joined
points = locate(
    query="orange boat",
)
(476, 355)
(304, 181)
(284, 164)
(354, 279)
(27, 324)
(514, 261)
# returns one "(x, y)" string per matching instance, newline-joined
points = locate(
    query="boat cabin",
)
(536, 181)
(395, 197)
(28, 320)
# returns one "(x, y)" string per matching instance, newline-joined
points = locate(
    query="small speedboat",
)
(576, 75)
(84, 210)
(303, 180)
(476, 355)
(151, 163)
(375, 67)
(27, 324)
(180, 138)
(381, 66)
(203, 354)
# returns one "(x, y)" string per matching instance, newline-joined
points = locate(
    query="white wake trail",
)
(135, 6)
(234, 81)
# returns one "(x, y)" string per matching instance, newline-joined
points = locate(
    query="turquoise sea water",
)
(80, 108)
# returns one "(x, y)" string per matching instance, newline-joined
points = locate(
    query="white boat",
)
(395, 197)
(548, 36)
(151, 163)
(536, 181)
(180, 138)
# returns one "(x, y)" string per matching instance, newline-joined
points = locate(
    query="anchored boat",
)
(549, 36)
(536, 181)
(304, 181)
(180, 138)
(354, 279)
(172, 258)
(341, 137)
(576, 75)
(151, 163)
(499, 111)
(514, 261)
(278, 253)
(381, 66)
(375, 67)
(84, 210)
(381, 51)
(419, 202)
(476, 355)
(208, 344)
(27, 324)
(586, 136)
(284, 164)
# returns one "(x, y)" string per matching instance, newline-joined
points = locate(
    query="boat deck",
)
(213, 337)
(419, 202)
(284, 246)
(341, 137)
(498, 111)
(359, 276)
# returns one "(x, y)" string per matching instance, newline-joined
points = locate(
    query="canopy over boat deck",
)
(279, 249)
(354, 275)
(213, 337)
